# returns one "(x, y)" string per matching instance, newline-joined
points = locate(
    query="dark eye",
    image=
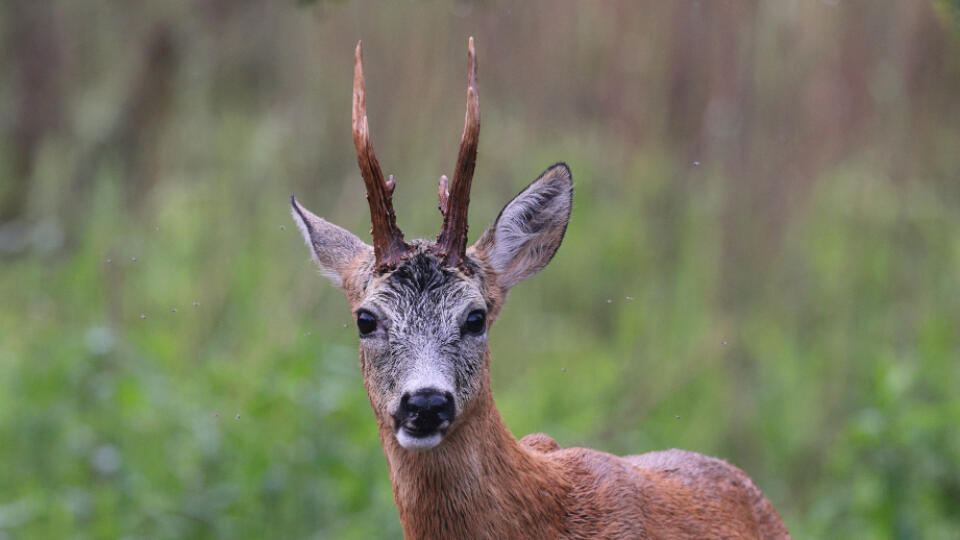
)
(366, 322)
(475, 323)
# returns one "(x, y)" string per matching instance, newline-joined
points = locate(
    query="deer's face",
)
(423, 325)
(422, 308)
(423, 344)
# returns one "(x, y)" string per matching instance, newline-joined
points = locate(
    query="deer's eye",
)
(475, 323)
(366, 322)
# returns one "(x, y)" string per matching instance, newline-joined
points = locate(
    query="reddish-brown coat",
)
(483, 483)
(480, 482)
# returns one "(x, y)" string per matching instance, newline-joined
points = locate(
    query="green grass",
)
(805, 327)
(834, 384)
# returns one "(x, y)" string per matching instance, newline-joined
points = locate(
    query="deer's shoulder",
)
(539, 442)
(690, 468)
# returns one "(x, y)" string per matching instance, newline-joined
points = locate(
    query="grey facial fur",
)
(421, 305)
(418, 344)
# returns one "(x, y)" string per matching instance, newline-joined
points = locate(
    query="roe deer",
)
(423, 308)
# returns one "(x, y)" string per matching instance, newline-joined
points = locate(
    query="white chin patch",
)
(418, 443)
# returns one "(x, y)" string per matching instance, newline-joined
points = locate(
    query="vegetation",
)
(762, 263)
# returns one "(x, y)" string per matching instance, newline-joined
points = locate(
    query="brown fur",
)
(483, 483)
(478, 481)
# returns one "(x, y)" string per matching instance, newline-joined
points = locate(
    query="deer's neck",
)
(480, 482)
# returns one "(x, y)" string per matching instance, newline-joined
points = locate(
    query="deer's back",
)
(665, 494)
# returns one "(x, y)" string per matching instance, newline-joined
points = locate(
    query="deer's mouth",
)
(420, 433)
(422, 419)
(413, 438)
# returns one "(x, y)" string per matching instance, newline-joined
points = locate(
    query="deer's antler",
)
(388, 245)
(452, 242)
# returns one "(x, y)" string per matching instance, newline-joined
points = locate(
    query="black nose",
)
(422, 413)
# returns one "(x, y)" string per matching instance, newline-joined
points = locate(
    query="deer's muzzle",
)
(423, 417)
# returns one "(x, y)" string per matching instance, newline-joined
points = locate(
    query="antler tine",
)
(388, 245)
(443, 193)
(452, 241)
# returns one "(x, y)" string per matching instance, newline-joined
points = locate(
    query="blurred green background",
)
(763, 262)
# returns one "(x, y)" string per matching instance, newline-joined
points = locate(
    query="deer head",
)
(423, 308)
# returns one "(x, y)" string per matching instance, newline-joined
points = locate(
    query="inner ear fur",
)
(335, 250)
(530, 228)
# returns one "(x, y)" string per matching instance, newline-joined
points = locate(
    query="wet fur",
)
(480, 482)
(483, 483)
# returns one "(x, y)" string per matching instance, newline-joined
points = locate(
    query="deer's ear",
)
(333, 248)
(529, 229)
